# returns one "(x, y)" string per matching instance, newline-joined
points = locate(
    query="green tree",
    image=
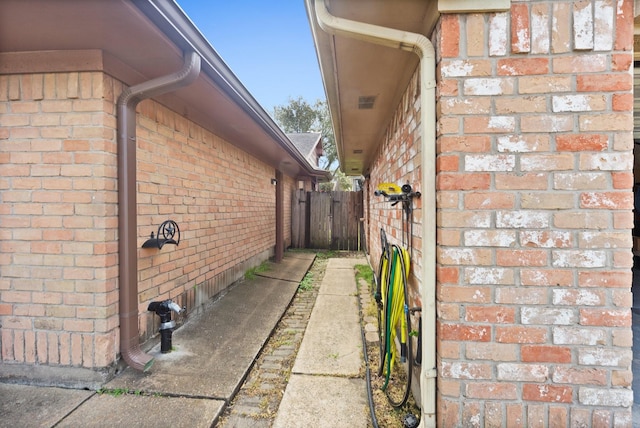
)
(297, 117)
(300, 116)
(328, 137)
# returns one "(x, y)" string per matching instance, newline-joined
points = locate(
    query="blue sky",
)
(267, 44)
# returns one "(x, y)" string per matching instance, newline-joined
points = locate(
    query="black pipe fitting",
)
(163, 310)
(410, 421)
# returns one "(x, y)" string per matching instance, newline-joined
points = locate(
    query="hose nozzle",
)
(175, 307)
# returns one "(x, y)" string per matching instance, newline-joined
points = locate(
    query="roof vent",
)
(366, 102)
(357, 151)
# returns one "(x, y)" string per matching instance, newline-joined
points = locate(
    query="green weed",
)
(364, 272)
(117, 392)
(307, 282)
(326, 254)
(251, 273)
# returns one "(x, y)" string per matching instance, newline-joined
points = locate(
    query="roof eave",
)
(175, 24)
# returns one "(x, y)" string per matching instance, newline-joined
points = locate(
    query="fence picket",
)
(324, 220)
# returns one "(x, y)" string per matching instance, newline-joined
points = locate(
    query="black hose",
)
(372, 407)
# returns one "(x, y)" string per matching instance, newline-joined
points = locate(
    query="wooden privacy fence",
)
(327, 220)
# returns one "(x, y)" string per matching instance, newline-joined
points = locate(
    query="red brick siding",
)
(221, 198)
(59, 248)
(398, 161)
(59, 215)
(533, 163)
(534, 195)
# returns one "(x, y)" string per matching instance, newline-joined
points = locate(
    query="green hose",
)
(395, 308)
(387, 312)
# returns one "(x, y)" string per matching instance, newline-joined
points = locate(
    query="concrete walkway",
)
(192, 386)
(326, 387)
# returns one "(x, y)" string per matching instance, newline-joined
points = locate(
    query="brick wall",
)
(398, 161)
(535, 168)
(58, 301)
(221, 198)
(534, 193)
(59, 249)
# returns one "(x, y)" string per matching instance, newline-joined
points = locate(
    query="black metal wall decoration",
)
(168, 233)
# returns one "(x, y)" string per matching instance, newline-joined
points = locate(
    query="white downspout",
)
(421, 46)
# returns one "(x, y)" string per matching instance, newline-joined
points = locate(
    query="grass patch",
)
(307, 282)
(285, 338)
(326, 254)
(364, 272)
(117, 392)
(251, 273)
(371, 309)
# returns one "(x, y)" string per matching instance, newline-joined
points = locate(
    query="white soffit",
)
(454, 6)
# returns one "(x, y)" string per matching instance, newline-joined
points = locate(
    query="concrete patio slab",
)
(307, 255)
(215, 350)
(144, 411)
(331, 344)
(34, 406)
(291, 268)
(323, 401)
(345, 263)
(339, 282)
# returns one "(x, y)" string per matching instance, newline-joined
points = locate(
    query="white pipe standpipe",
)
(421, 46)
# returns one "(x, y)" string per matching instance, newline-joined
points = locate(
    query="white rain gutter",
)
(421, 46)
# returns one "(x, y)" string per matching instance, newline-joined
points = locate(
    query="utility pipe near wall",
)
(279, 250)
(127, 212)
(421, 46)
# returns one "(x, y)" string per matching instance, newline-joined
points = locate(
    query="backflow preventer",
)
(163, 310)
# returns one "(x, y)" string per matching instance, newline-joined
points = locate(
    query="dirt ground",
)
(386, 415)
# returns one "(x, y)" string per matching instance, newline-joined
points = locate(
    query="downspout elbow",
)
(127, 213)
(384, 36)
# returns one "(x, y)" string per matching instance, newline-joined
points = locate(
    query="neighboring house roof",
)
(135, 41)
(307, 144)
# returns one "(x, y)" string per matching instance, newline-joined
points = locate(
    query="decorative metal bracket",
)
(168, 233)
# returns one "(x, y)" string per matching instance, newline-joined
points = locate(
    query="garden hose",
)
(389, 336)
(398, 309)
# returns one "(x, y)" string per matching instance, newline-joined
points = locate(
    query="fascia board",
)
(459, 6)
